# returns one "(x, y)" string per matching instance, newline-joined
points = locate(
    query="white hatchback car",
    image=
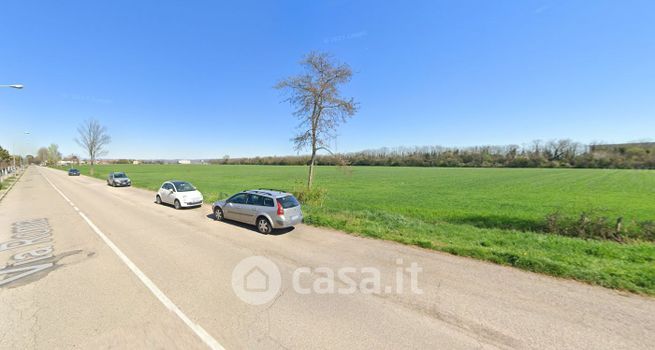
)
(181, 194)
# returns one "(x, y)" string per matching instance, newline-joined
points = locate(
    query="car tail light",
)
(280, 210)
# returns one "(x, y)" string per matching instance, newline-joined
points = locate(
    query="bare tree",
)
(536, 147)
(561, 149)
(318, 103)
(93, 138)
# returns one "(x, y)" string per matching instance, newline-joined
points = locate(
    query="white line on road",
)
(196, 328)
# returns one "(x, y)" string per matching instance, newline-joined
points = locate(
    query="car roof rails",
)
(261, 191)
(273, 189)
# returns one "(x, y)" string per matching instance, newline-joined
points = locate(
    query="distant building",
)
(184, 161)
(136, 162)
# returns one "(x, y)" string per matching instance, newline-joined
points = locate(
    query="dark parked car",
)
(73, 172)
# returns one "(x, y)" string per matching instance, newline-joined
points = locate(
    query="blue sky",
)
(193, 79)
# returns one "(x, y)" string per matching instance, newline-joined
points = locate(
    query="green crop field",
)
(490, 214)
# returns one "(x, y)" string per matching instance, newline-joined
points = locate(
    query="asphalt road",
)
(103, 267)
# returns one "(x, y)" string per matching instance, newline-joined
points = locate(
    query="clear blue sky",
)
(193, 79)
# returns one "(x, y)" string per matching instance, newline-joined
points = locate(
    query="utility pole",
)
(13, 86)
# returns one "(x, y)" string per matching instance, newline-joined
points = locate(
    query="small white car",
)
(181, 194)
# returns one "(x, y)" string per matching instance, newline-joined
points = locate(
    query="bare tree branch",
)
(93, 138)
(318, 104)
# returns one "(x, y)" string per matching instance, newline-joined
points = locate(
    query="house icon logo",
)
(256, 280)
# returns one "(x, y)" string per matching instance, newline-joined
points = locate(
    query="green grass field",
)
(487, 214)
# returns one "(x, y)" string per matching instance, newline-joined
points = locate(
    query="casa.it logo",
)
(256, 280)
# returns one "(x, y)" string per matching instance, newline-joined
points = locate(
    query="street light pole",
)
(14, 86)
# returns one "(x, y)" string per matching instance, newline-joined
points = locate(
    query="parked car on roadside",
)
(266, 209)
(73, 172)
(118, 179)
(181, 194)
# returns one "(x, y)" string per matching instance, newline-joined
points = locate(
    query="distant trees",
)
(54, 155)
(537, 154)
(4, 155)
(73, 158)
(93, 137)
(50, 155)
(5, 161)
(42, 155)
(318, 103)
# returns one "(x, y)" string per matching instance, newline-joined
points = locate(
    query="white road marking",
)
(168, 303)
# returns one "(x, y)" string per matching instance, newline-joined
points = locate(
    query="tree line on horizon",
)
(563, 153)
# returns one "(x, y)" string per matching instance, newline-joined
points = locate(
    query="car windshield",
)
(119, 175)
(73, 170)
(183, 186)
(288, 202)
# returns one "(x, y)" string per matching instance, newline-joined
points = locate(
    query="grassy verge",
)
(487, 214)
(622, 266)
(7, 183)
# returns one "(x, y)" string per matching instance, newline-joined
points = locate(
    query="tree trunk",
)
(310, 178)
(91, 168)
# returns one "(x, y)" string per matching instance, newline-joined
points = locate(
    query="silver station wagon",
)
(266, 209)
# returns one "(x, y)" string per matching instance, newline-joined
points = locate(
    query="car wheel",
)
(218, 214)
(177, 204)
(158, 199)
(263, 226)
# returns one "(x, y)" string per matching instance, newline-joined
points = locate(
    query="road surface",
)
(100, 267)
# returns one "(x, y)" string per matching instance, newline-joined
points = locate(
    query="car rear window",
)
(288, 202)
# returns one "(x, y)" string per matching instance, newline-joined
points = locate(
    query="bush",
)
(647, 230)
(315, 196)
(593, 226)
